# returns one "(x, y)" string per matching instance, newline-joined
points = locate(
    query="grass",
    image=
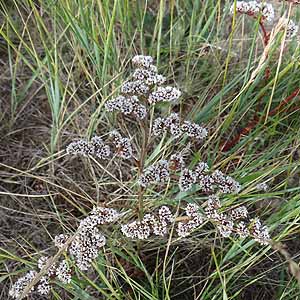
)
(61, 60)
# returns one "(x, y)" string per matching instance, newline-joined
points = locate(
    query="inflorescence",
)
(83, 249)
(120, 146)
(254, 9)
(84, 246)
(265, 11)
(209, 183)
(173, 125)
(144, 88)
(235, 221)
(150, 224)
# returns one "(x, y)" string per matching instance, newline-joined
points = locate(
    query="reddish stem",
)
(228, 145)
(266, 38)
(266, 35)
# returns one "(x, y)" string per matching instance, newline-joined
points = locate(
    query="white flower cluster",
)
(292, 29)
(122, 144)
(89, 240)
(176, 162)
(172, 124)
(194, 130)
(145, 77)
(254, 9)
(127, 106)
(262, 187)
(142, 61)
(149, 76)
(259, 232)
(137, 87)
(158, 225)
(84, 248)
(60, 240)
(164, 94)
(156, 173)
(225, 223)
(196, 219)
(20, 285)
(63, 272)
(95, 147)
(187, 179)
(225, 183)
(209, 183)
(43, 287)
(234, 221)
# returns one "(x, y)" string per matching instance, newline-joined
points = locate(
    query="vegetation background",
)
(60, 60)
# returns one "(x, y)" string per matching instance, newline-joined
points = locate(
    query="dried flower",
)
(239, 213)
(127, 105)
(20, 285)
(95, 147)
(171, 123)
(168, 94)
(201, 169)
(149, 76)
(86, 246)
(165, 214)
(242, 229)
(42, 261)
(185, 228)
(292, 29)
(81, 147)
(211, 210)
(206, 183)
(226, 184)
(89, 240)
(158, 126)
(225, 228)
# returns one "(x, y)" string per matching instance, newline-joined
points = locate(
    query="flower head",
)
(19, 286)
(164, 94)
